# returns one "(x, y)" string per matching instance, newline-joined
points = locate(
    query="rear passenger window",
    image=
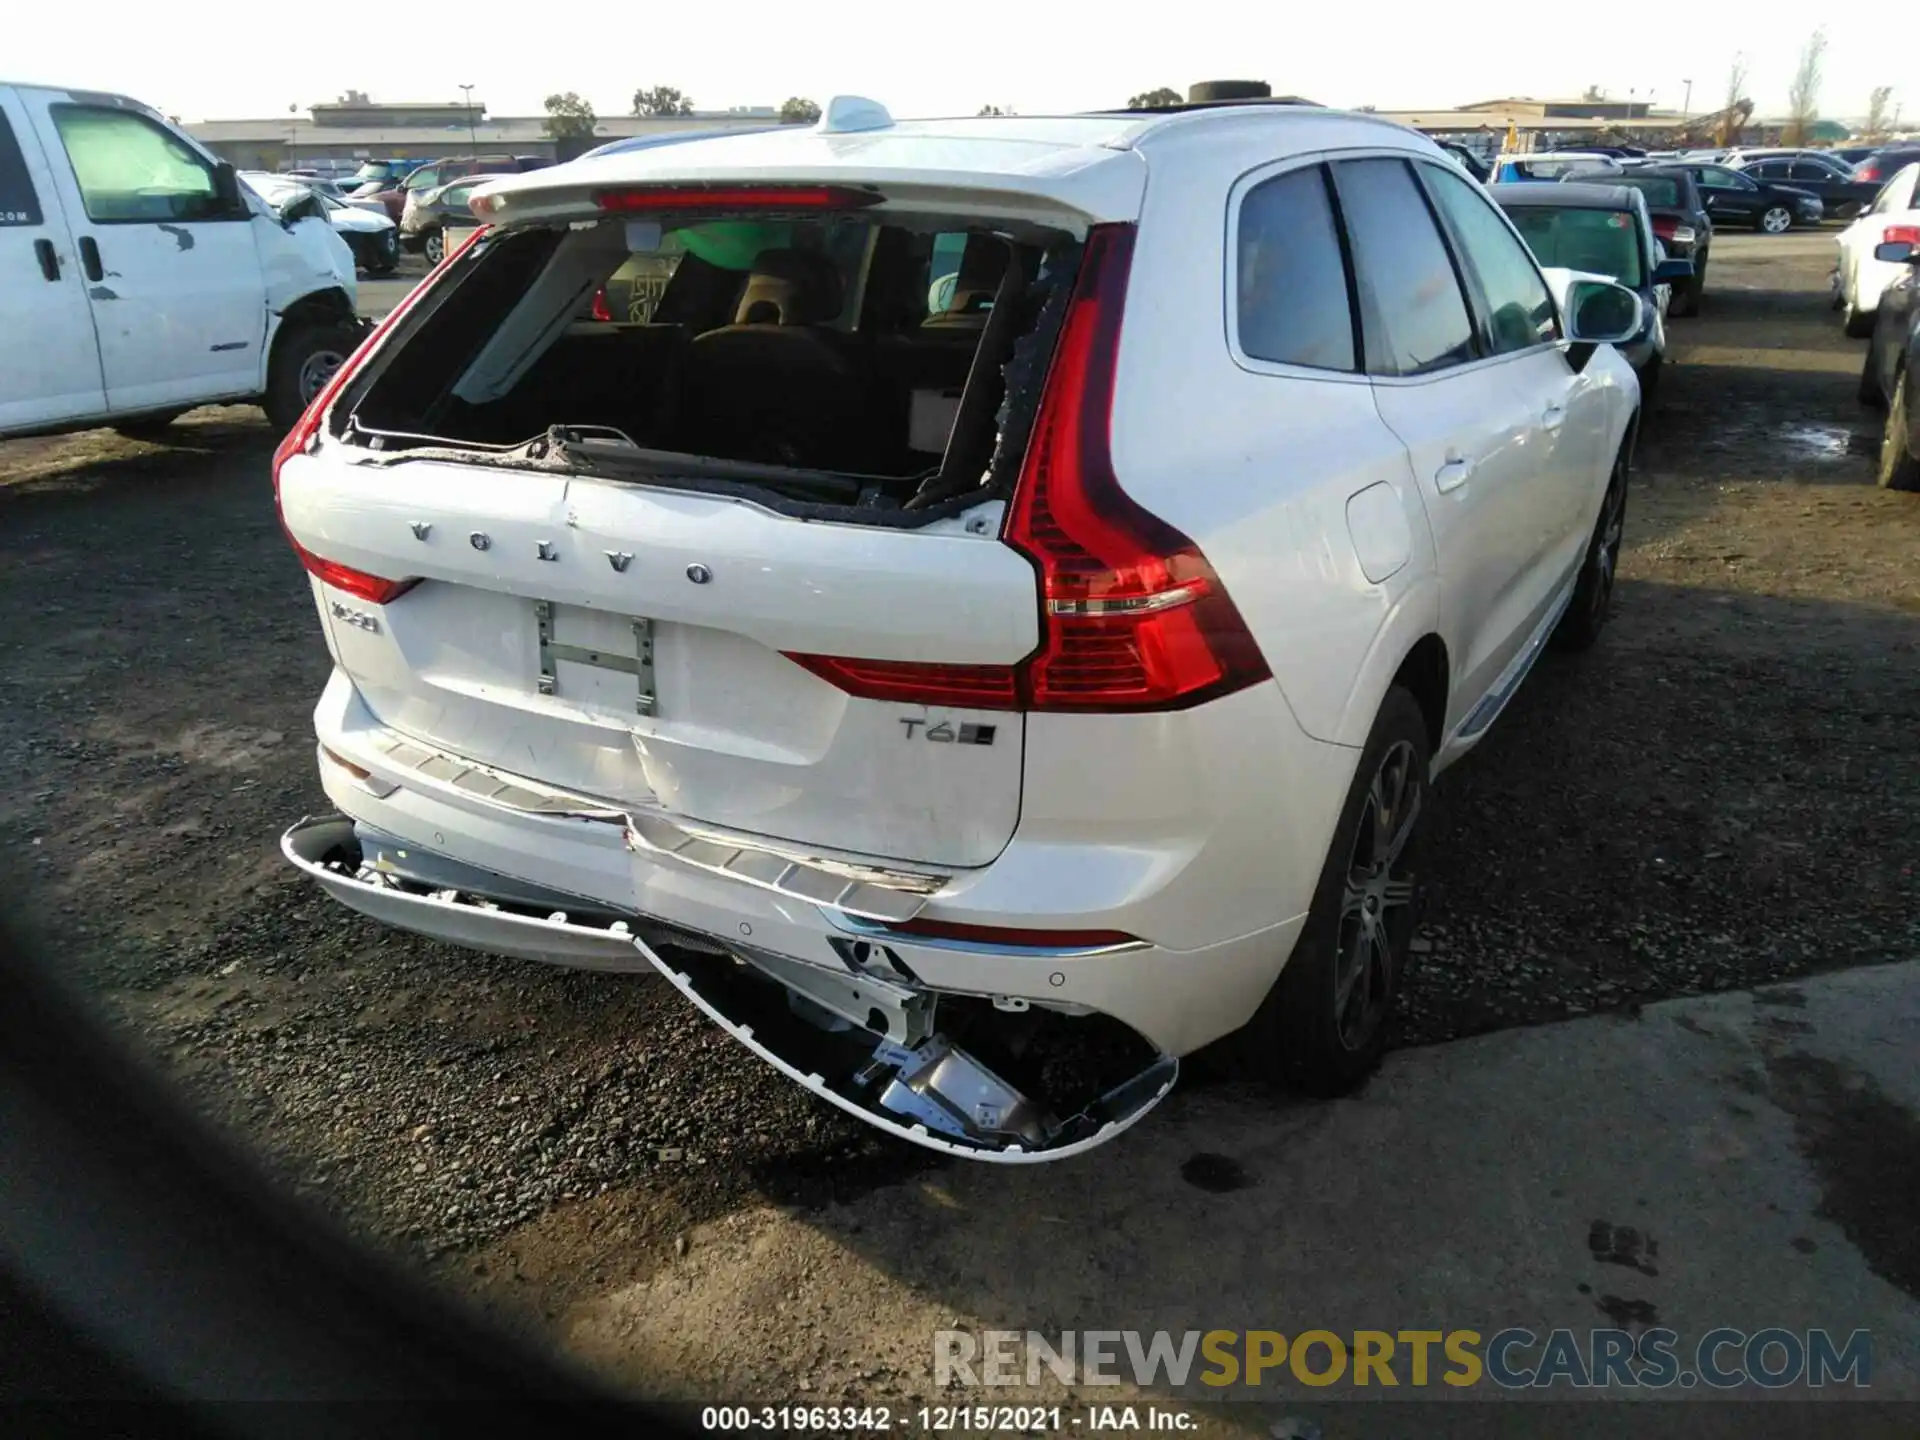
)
(1290, 277)
(1520, 313)
(18, 204)
(1416, 317)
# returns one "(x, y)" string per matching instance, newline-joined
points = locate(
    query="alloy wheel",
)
(1606, 547)
(1777, 221)
(1376, 905)
(435, 247)
(316, 370)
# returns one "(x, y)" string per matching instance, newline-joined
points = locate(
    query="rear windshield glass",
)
(1599, 241)
(1659, 189)
(1543, 169)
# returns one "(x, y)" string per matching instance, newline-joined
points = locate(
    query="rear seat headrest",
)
(790, 287)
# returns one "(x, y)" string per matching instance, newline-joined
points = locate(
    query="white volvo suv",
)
(976, 604)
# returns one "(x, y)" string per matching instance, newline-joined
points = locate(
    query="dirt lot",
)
(1726, 791)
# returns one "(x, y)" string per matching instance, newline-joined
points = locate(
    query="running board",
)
(1495, 700)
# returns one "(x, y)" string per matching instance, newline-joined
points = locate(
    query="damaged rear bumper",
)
(990, 1079)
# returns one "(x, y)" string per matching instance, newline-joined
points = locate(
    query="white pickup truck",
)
(149, 278)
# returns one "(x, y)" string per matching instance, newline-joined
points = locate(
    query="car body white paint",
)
(182, 314)
(1324, 501)
(1861, 278)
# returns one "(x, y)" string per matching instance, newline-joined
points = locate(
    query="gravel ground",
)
(1725, 792)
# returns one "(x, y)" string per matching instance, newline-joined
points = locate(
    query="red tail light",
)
(1901, 235)
(1132, 616)
(973, 687)
(600, 310)
(300, 439)
(633, 198)
(1867, 170)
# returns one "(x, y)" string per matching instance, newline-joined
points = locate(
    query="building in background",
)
(335, 138)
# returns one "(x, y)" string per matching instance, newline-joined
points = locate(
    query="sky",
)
(234, 59)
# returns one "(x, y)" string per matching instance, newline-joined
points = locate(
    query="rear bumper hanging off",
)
(867, 1037)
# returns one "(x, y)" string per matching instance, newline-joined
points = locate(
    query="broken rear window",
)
(772, 351)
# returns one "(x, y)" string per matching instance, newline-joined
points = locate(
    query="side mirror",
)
(304, 206)
(1669, 271)
(1603, 313)
(226, 185)
(1897, 252)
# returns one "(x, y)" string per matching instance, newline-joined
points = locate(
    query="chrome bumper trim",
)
(874, 892)
(453, 916)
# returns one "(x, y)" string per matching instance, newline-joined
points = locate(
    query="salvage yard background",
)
(1725, 792)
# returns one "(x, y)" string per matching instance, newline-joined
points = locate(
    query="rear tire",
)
(1323, 1026)
(1856, 324)
(434, 247)
(1686, 298)
(1869, 391)
(1899, 466)
(303, 363)
(1592, 601)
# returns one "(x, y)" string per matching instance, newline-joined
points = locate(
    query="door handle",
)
(90, 258)
(1452, 475)
(49, 261)
(1554, 416)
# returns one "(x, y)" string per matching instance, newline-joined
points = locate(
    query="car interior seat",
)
(777, 385)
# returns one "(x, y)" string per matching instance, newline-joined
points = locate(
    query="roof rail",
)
(1188, 106)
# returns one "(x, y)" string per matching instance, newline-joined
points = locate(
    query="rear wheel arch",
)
(1426, 674)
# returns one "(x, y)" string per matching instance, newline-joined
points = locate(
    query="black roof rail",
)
(1186, 106)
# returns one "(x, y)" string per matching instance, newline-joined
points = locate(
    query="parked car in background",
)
(332, 189)
(1547, 166)
(373, 239)
(814, 702)
(1892, 357)
(381, 172)
(1735, 198)
(1852, 155)
(423, 224)
(141, 278)
(1884, 163)
(1840, 193)
(1859, 278)
(436, 173)
(1600, 229)
(1681, 222)
(1469, 160)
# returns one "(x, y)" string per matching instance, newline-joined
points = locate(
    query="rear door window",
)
(19, 205)
(1290, 277)
(1416, 318)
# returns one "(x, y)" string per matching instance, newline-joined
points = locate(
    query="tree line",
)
(568, 115)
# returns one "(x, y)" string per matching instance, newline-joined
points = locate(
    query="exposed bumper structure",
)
(864, 1037)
